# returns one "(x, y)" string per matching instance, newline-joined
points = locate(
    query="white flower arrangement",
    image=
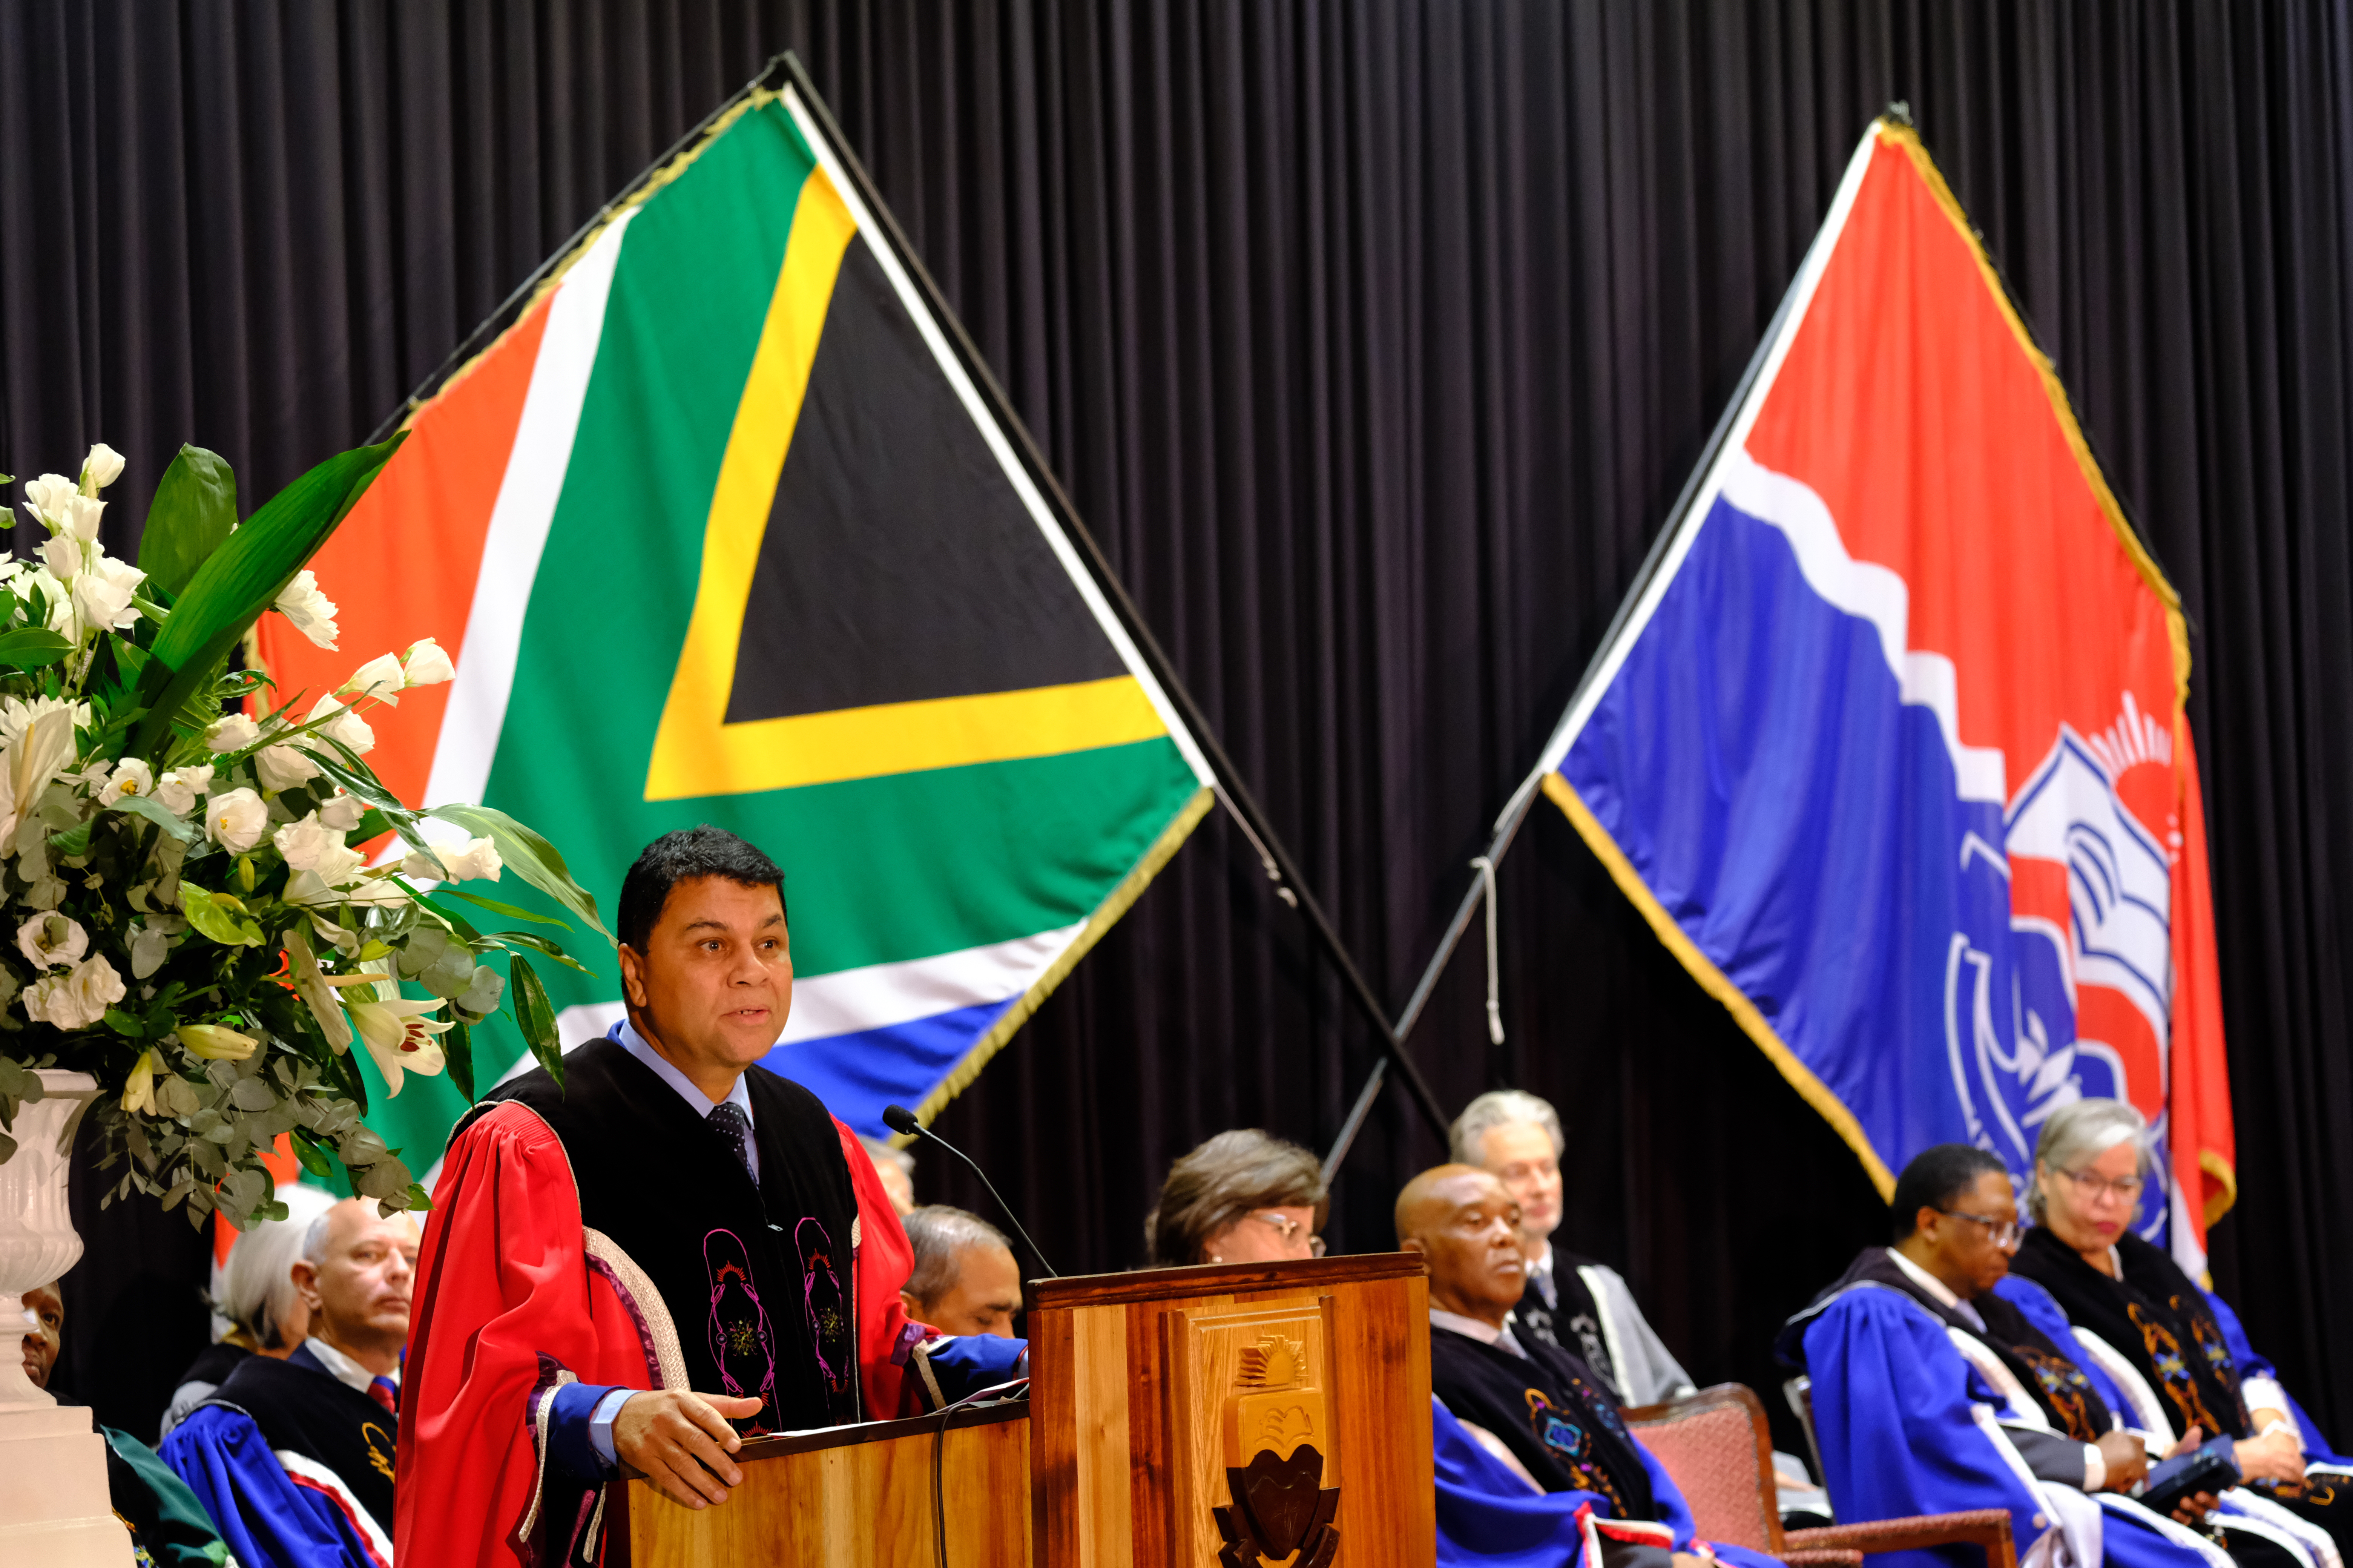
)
(195, 920)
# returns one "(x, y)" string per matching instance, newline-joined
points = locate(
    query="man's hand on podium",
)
(680, 1442)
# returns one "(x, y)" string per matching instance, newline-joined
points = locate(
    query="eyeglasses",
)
(2126, 1187)
(2003, 1232)
(1289, 1228)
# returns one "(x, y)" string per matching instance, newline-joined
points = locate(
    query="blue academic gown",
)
(1907, 1425)
(1488, 1517)
(268, 1517)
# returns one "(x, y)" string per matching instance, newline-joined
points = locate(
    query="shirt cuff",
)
(2095, 1469)
(2266, 1394)
(580, 1428)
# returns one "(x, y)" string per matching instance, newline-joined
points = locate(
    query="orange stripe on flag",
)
(403, 563)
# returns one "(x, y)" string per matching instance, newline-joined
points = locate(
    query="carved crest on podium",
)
(1276, 1432)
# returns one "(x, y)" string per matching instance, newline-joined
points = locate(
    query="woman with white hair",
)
(2174, 1351)
(257, 1296)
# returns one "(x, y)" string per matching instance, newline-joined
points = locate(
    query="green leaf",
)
(152, 810)
(532, 858)
(219, 917)
(458, 1050)
(419, 1199)
(194, 511)
(497, 907)
(536, 1017)
(74, 840)
(29, 647)
(240, 580)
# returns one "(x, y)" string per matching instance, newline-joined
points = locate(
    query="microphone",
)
(899, 1118)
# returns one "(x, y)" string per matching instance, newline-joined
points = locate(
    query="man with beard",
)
(1932, 1394)
(1549, 1464)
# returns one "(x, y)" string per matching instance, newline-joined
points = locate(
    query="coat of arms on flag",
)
(1889, 745)
(726, 528)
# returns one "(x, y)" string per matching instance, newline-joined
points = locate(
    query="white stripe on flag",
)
(520, 521)
(1872, 593)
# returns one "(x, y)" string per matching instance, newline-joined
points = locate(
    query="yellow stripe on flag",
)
(696, 711)
(908, 737)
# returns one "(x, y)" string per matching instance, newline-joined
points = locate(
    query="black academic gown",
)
(1570, 1322)
(1550, 1411)
(761, 1284)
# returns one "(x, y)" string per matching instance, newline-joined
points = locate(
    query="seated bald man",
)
(1532, 1453)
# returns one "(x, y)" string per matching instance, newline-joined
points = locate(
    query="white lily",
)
(138, 1089)
(342, 812)
(178, 791)
(215, 1043)
(82, 515)
(399, 1035)
(317, 988)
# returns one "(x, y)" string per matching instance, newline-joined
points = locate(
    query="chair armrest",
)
(1823, 1558)
(1986, 1527)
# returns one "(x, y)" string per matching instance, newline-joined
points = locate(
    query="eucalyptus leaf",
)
(528, 855)
(194, 510)
(241, 579)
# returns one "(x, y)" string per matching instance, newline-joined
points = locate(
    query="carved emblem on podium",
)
(1276, 1430)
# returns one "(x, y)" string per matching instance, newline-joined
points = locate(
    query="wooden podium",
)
(1151, 1396)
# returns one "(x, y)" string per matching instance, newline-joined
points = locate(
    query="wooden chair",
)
(1718, 1448)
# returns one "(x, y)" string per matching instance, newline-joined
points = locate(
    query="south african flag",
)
(726, 529)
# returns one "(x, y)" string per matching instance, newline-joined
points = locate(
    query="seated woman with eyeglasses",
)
(1241, 1197)
(2175, 1354)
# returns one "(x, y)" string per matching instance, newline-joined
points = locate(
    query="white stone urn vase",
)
(54, 1507)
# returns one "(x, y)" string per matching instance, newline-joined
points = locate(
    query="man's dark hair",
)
(681, 857)
(1937, 1179)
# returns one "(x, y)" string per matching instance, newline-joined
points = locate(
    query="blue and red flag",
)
(1890, 745)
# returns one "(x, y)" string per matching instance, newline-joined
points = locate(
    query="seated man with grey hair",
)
(1573, 1302)
(293, 1458)
(964, 1280)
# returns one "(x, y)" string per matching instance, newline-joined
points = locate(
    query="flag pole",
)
(1238, 801)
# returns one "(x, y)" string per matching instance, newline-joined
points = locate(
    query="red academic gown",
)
(505, 1278)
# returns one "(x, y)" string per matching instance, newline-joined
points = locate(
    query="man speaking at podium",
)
(672, 1251)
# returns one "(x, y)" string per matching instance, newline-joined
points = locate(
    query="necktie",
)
(386, 1393)
(734, 1128)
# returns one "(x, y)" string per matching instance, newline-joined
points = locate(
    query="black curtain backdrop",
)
(1372, 338)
